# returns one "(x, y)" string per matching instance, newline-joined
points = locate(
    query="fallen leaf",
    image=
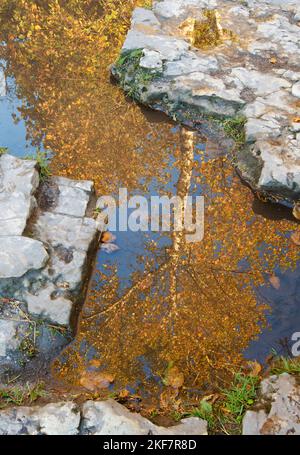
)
(255, 368)
(275, 282)
(296, 120)
(273, 60)
(94, 381)
(107, 237)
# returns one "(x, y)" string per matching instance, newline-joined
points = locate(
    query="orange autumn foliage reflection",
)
(194, 305)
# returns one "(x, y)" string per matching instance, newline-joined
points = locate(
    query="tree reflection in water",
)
(191, 304)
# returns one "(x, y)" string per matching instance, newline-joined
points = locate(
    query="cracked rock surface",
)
(215, 60)
(93, 418)
(46, 238)
(280, 408)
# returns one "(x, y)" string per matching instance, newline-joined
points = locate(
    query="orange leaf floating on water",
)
(296, 119)
(275, 282)
(106, 237)
(94, 381)
(174, 378)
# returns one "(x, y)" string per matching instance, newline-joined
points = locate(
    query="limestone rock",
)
(52, 419)
(19, 255)
(94, 418)
(296, 90)
(151, 60)
(18, 181)
(50, 307)
(280, 413)
(59, 419)
(8, 338)
(73, 197)
(111, 418)
(251, 72)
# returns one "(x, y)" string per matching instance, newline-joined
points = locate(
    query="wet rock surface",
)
(45, 243)
(216, 60)
(280, 408)
(93, 418)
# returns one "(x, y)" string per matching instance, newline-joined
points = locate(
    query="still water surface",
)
(205, 307)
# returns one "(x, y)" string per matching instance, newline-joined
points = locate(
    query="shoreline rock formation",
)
(278, 412)
(92, 418)
(230, 69)
(47, 239)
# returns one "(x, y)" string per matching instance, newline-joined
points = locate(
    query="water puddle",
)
(157, 302)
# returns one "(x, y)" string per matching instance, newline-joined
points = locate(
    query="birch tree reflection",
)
(194, 305)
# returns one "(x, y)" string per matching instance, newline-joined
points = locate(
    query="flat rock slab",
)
(280, 408)
(111, 418)
(48, 306)
(49, 282)
(217, 59)
(19, 180)
(52, 419)
(94, 418)
(19, 255)
(73, 198)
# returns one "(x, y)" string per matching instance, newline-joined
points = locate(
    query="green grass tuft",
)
(19, 396)
(3, 150)
(235, 128)
(286, 365)
(132, 77)
(240, 396)
(43, 164)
